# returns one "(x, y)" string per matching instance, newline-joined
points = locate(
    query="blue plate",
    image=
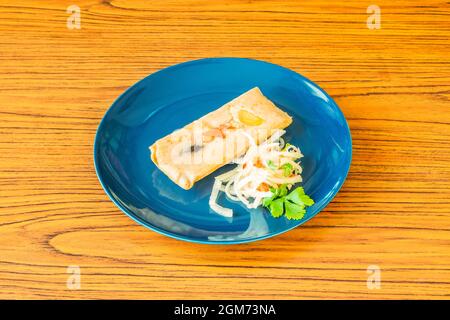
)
(175, 96)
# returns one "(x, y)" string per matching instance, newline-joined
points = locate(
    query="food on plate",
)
(265, 176)
(201, 147)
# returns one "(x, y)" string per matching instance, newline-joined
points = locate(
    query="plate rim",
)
(169, 234)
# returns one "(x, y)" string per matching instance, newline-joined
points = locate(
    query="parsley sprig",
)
(292, 205)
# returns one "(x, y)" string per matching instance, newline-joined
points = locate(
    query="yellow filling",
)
(249, 118)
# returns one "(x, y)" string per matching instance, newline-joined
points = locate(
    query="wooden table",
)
(392, 84)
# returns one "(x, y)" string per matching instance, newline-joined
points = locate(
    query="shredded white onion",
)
(226, 212)
(257, 171)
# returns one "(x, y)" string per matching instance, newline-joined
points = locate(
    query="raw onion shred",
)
(260, 169)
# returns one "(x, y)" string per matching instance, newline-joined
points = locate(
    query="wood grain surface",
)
(393, 85)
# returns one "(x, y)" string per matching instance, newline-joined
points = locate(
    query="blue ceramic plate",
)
(173, 97)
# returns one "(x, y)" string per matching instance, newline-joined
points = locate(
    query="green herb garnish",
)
(293, 205)
(282, 190)
(276, 207)
(271, 165)
(287, 169)
(286, 146)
